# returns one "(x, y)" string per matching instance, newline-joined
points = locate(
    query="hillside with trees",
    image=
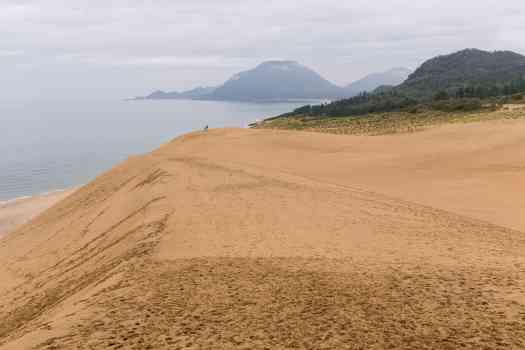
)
(463, 81)
(470, 68)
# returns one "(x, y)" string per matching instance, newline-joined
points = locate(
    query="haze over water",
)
(50, 145)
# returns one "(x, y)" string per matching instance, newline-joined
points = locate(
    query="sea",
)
(49, 145)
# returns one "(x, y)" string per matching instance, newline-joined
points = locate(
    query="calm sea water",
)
(49, 145)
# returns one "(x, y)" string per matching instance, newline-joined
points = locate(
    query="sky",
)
(123, 48)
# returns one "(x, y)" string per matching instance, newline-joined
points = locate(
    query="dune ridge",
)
(257, 239)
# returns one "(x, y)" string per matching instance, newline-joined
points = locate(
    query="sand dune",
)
(256, 239)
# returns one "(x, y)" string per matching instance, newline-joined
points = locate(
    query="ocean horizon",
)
(52, 145)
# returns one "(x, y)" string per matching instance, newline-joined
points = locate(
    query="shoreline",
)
(18, 211)
(5, 202)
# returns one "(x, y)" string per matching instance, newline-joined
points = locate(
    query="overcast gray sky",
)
(120, 48)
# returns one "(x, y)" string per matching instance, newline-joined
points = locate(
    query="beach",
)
(18, 211)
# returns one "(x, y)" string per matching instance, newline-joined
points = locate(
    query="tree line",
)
(485, 90)
(467, 98)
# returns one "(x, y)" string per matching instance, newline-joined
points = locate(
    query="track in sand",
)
(253, 239)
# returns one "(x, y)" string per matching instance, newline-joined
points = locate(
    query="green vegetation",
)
(470, 98)
(475, 72)
(487, 90)
(393, 122)
(392, 102)
(466, 81)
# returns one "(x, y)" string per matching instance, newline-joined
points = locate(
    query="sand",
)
(257, 239)
(16, 212)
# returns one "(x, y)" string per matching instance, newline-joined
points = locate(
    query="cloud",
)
(134, 44)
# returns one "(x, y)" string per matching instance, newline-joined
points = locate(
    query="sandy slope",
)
(17, 212)
(257, 239)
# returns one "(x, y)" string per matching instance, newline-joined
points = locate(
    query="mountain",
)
(463, 68)
(371, 82)
(288, 80)
(284, 80)
(466, 77)
(277, 80)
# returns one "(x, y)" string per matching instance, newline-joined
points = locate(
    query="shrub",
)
(457, 105)
(441, 96)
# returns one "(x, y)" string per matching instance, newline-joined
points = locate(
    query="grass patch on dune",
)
(390, 122)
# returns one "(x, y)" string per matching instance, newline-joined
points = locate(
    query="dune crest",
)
(256, 239)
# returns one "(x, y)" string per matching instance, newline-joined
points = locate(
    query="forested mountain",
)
(466, 68)
(459, 81)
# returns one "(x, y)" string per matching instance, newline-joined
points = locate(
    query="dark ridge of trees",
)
(360, 104)
(465, 80)
(468, 98)
(465, 69)
(513, 87)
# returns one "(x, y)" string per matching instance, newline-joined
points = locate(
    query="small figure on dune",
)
(206, 128)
